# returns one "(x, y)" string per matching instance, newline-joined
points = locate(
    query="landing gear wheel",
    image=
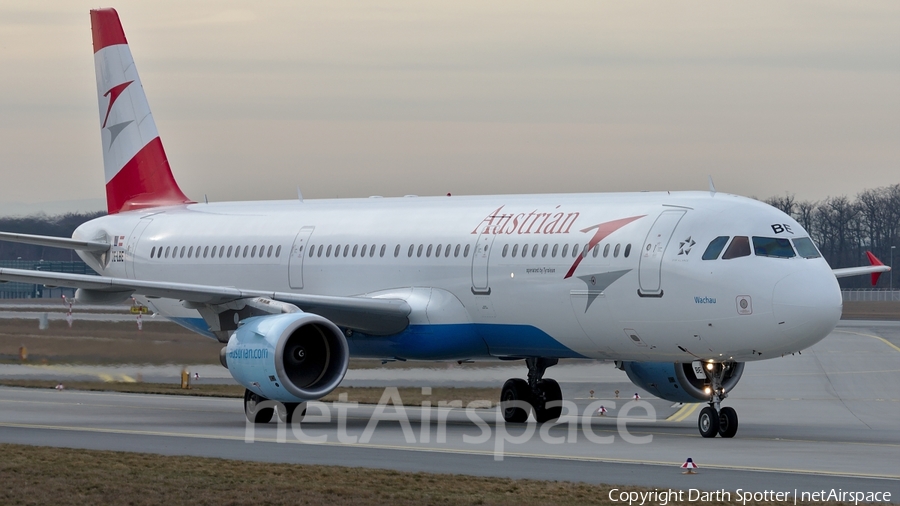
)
(255, 413)
(291, 411)
(728, 422)
(551, 393)
(515, 390)
(708, 423)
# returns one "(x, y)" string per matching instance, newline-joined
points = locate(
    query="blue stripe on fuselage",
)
(460, 341)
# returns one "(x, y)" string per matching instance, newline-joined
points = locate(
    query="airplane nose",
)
(806, 306)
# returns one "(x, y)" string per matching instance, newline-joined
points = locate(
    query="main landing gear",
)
(715, 419)
(258, 409)
(541, 396)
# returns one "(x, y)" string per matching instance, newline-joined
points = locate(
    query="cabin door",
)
(654, 248)
(298, 253)
(480, 257)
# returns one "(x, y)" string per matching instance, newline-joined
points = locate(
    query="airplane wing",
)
(859, 271)
(875, 269)
(55, 242)
(368, 315)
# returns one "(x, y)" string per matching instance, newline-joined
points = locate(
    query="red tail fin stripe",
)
(113, 95)
(106, 28)
(145, 181)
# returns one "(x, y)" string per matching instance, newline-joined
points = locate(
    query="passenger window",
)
(263, 248)
(515, 250)
(739, 247)
(715, 247)
(505, 250)
(383, 248)
(773, 247)
(412, 248)
(627, 250)
(555, 250)
(606, 250)
(456, 251)
(253, 252)
(616, 251)
(312, 251)
(246, 249)
(447, 251)
(419, 251)
(213, 254)
(565, 251)
(182, 252)
(319, 251)
(574, 251)
(346, 250)
(428, 251)
(534, 251)
(167, 251)
(355, 250)
(596, 250)
(396, 251)
(328, 251)
(205, 251)
(153, 252)
(584, 253)
(466, 252)
(806, 248)
(437, 252)
(524, 251)
(278, 251)
(544, 250)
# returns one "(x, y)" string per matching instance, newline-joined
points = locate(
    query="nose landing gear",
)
(714, 419)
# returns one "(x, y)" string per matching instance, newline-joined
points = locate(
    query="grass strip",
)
(364, 395)
(62, 476)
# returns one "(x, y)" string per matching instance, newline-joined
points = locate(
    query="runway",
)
(826, 419)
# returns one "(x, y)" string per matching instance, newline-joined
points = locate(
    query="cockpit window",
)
(739, 247)
(806, 248)
(773, 247)
(715, 247)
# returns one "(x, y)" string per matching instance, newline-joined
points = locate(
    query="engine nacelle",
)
(291, 357)
(677, 382)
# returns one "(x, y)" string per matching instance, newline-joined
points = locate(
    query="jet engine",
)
(292, 357)
(677, 382)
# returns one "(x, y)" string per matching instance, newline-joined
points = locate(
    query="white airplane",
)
(680, 289)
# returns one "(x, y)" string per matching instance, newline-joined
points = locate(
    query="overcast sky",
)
(253, 99)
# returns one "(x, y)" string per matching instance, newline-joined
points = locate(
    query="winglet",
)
(873, 260)
(712, 187)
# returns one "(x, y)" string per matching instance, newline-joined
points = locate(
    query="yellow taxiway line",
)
(885, 341)
(683, 413)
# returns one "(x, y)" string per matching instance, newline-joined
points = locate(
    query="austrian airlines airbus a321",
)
(680, 289)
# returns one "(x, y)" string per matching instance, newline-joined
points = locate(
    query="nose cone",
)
(806, 306)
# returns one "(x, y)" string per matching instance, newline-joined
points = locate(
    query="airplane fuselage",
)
(604, 276)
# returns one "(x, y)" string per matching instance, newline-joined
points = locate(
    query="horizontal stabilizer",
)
(55, 242)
